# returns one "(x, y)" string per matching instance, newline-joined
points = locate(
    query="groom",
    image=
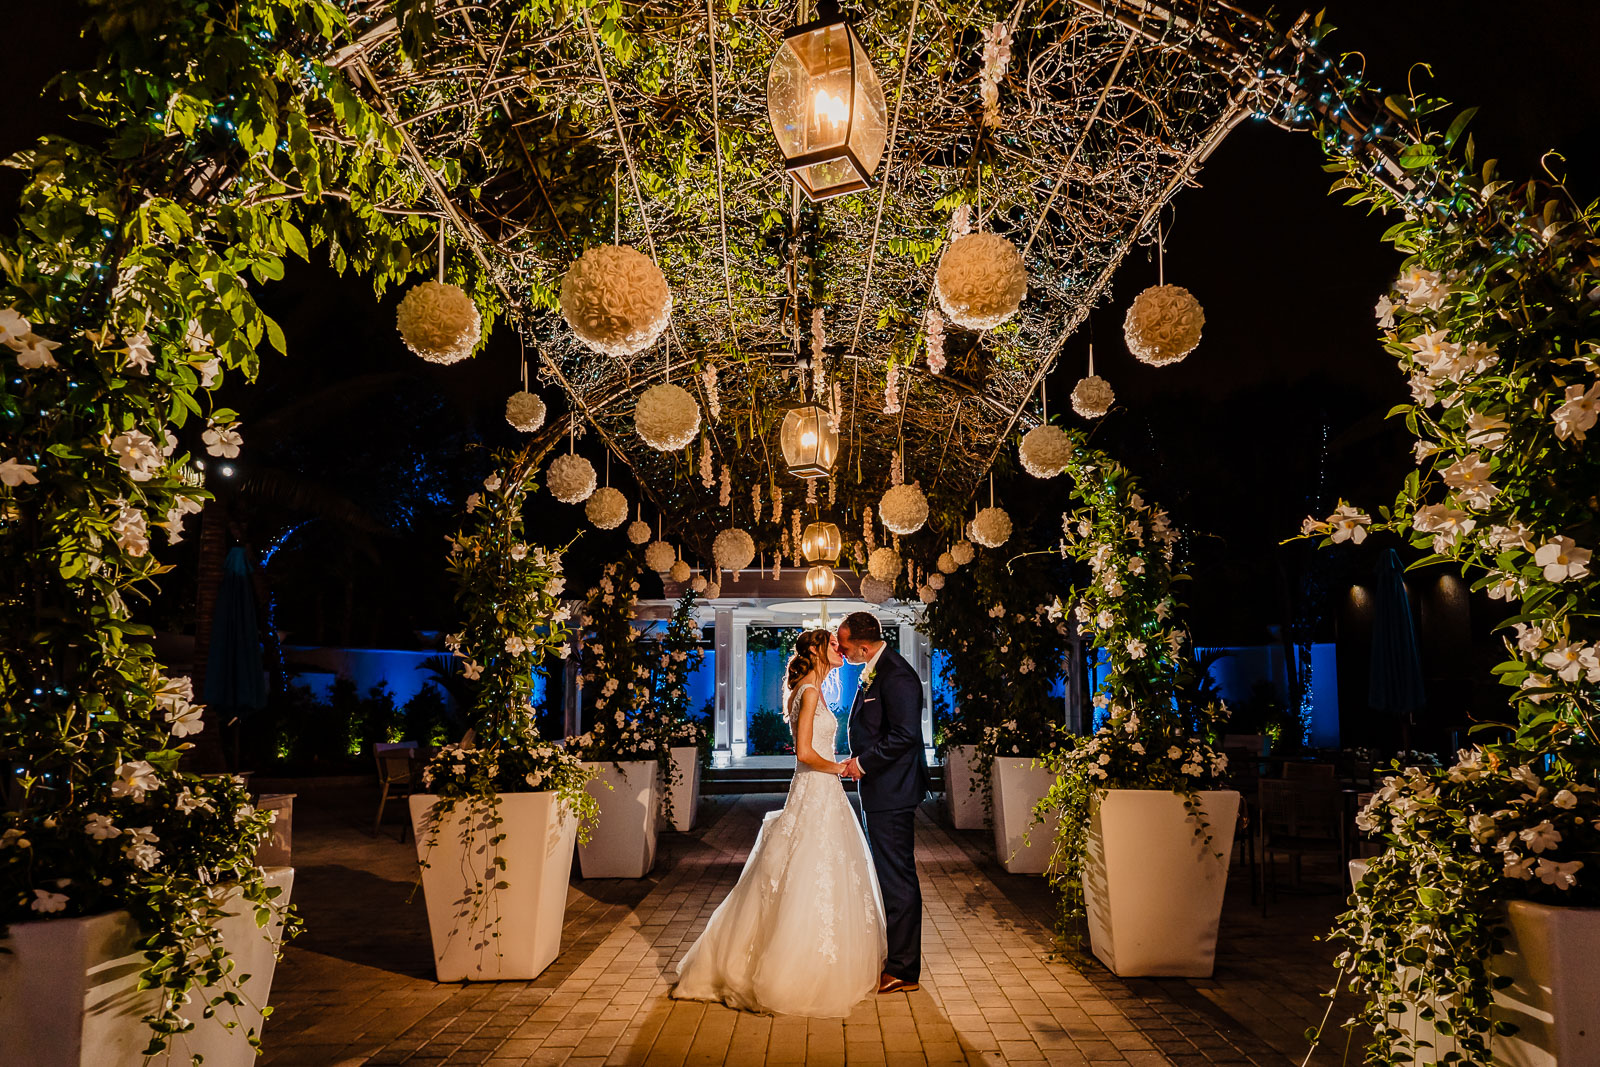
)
(892, 778)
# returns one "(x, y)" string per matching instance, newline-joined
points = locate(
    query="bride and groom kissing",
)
(819, 920)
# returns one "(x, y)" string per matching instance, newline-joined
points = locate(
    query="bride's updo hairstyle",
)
(809, 650)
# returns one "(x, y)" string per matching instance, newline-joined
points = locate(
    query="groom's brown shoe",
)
(888, 983)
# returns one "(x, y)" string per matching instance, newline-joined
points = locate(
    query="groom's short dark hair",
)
(863, 626)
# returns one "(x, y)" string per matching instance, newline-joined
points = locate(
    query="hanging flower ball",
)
(981, 281)
(616, 300)
(927, 594)
(935, 581)
(733, 550)
(525, 412)
(570, 478)
(875, 591)
(638, 532)
(903, 509)
(660, 556)
(439, 322)
(1163, 324)
(608, 508)
(884, 564)
(713, 590)
(1092, 397)
(666, 417)
(679, 572)
(698, 583)
(1045, 451)
(946, 564)
(962, 553)
(991, 528)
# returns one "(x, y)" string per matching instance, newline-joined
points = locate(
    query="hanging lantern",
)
(822, 543)
(820, 581)
(809, 440)
(827, 109)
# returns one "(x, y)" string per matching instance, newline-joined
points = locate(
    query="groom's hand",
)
(852, 769)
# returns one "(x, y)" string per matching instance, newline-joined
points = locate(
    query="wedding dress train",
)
(802, 933)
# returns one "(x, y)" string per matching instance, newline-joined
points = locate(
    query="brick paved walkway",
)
(358, 987)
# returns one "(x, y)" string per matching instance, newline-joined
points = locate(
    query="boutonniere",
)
(867, 678)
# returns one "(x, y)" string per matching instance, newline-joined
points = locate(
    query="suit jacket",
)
(886, 736)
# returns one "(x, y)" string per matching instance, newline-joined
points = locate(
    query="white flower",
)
(515, 645)
(1349, 523)
(1502, 538)
(1560, 875)
(1517, 866)
(473, 500)
(1136, 648)
(139, 355)
(1385, 312)
(141, 835)
(13, 327)
(143, 857)
(519, 551)
(1507, 587)
(209, 371)
(1105, 619)
(1422, 288)
(1566, 799)
(130, 531)
(181, 506)
(1577, 416)
(1562, 560)
(1435, 351)
(1482, 826)
(1541, 837)
(222, 441)
(1566, 659)
(1469, 477)
(13, 473)
(47, 903)
(492, 483)
(1422, 449)
(1486, 431)
(1529, 637)
(189, 801)
(99, 827)
(1174, 752)
(1445, 523)
(33, 352)
(186, 720)
(1136, 565)
(137, 454)
(134, 779)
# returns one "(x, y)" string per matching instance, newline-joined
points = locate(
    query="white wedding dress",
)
(803, 932)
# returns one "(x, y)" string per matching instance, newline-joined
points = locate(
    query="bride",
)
(802, 933)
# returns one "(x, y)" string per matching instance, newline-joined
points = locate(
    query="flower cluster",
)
(468, 773)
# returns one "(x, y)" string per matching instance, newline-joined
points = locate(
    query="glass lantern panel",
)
(869, 125)
(809, 91)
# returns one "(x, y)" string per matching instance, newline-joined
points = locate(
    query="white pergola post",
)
(722, 734)
(738, 681)
(919, 653)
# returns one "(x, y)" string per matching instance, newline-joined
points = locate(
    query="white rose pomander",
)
(981, 281)
(639, 532)
(903, 509)
(936, 581)
(991, 528)
(875, 591)
(525, 412)
(1092, 397)
(927, 594)
(439, 322)
(962, 553)
(660, 556)
(607, 508)
(570, 478)
(883, 564)
(698, 583)
(1163, 324)
(666, 417)
(1045, 450)
(679, 572)
(733, 550)
(713, 590)
(616, 300)
(946, 564)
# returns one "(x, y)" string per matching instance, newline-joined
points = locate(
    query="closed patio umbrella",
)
(1395, 680)
(235, 679)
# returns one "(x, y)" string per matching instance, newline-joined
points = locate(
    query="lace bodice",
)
(824, 725)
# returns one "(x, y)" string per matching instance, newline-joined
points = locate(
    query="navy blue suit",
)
(886, 739)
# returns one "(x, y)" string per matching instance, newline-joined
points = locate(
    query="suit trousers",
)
(891, 836)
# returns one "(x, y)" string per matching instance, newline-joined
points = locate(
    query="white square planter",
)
(964, 802)
(623, 844)
(686, 791)
(1152, 890)
(1552, 956)
(1023, 846)
(512, 932)
(68, 996)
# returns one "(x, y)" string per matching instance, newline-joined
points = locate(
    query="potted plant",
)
(626, 747)
(966, 783)
(687, 739)
(496, 826)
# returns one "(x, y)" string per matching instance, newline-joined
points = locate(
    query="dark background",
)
(358, 455)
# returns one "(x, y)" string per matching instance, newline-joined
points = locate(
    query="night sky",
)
(1277, 414)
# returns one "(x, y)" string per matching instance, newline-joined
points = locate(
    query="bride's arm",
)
(803, 749)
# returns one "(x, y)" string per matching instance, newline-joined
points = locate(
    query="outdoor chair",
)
(396, 771)
(1297, 817)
